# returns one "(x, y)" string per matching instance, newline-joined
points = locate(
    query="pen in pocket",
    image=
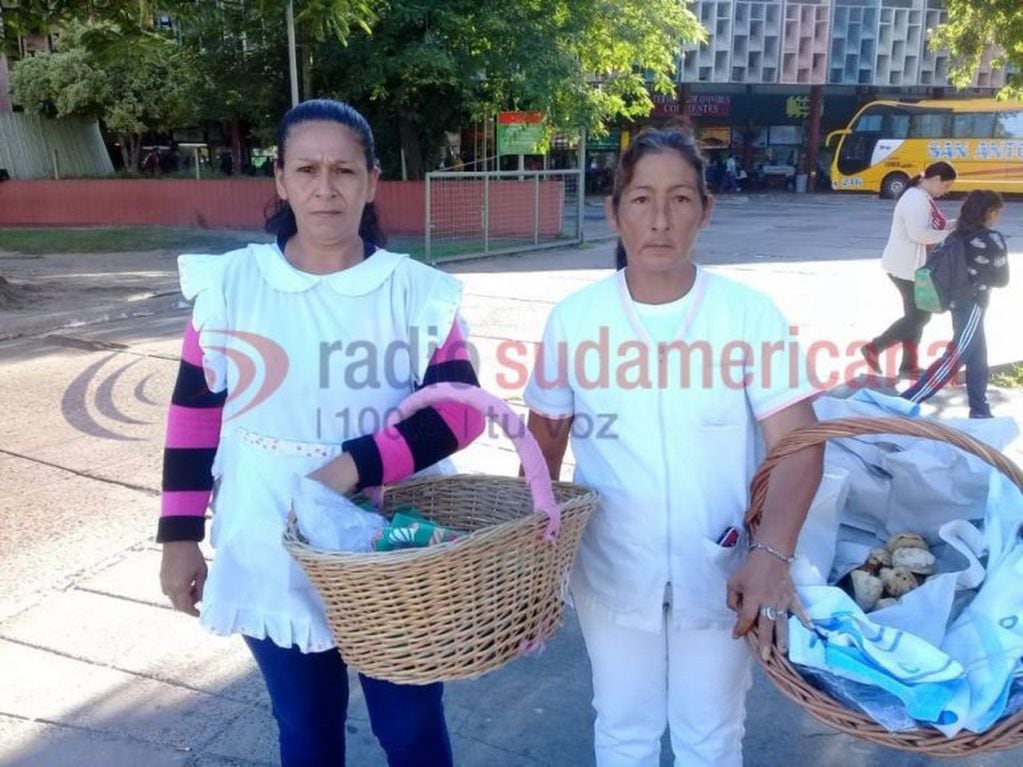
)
(729, 537)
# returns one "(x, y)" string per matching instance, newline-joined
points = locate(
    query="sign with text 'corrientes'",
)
(519, 132)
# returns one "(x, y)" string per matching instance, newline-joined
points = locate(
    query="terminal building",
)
(754, 85)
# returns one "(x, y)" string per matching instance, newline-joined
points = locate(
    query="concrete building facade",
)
(880, 43)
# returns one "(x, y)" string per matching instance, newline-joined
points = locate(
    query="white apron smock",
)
(668, 436)
(308, 362)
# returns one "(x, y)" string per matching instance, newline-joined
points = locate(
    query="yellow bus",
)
(887, 142)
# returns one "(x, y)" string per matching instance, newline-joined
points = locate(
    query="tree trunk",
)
(125, 152)
(236, 146)
(307, 71)
(136, 151)
(412, 149)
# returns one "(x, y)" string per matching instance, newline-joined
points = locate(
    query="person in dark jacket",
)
(987, 265)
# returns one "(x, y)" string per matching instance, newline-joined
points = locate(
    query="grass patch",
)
(1009, 377)
(122, 239)
(182, 239)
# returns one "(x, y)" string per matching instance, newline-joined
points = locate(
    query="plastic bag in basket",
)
(330, 521)
(954, 675)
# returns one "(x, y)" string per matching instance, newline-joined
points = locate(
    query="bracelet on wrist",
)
(772, 551)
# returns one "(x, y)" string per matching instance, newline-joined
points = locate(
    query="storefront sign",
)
(607, 143)
(708, 105)
(797, 106)
(519, 132)
(697, 105)
(665, 105)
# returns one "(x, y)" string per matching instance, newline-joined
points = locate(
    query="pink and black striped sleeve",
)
(428, 436)
(193, 431)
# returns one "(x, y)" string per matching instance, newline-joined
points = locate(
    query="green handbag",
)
(925, 293)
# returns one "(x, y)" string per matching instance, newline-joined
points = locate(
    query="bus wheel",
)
(893, 185)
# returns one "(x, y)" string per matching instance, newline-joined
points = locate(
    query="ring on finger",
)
(773, 613)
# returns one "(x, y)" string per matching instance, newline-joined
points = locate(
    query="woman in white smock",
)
(665, 375)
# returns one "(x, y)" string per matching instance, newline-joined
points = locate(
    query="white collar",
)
(358, 280)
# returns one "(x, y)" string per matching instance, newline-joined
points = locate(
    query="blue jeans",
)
(969, 348)
(309, 694)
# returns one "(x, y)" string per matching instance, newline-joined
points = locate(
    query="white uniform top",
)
(309, 361)
(911, 233)
(669, 444)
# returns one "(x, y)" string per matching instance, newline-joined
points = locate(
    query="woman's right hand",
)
(183, 574)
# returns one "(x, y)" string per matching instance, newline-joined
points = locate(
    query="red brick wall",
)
(241, 203)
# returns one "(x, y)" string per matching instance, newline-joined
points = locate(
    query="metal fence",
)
(475, 213)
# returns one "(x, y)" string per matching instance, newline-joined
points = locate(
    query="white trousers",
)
(693, 681)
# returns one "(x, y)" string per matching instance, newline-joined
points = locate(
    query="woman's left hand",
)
(339, 474)
(763, 595)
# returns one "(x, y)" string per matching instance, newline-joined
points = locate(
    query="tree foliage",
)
(971, 27)
(431, 65)
(236, 48)
(417, 68)
(133, 83)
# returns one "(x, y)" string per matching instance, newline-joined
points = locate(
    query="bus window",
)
(929, 125)
(869, 124)
(1010, 125)
(973, 125)
(898, 126)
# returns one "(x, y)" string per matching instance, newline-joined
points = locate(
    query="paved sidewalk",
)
(98, 671)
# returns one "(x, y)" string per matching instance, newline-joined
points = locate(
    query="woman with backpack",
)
(917, 224)
(987, 266)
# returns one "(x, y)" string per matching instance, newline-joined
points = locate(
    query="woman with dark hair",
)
(659, 570)
(917, 224)
(987, 265)
(295, 354)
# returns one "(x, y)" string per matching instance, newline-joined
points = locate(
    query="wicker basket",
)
(460, 609)
(1007, 733)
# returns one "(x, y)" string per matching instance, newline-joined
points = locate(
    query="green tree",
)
(237, 48)
(971, 27)
(134, 83)
(240, 48)
(430, 65)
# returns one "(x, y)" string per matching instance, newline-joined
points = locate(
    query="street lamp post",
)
(292, 57)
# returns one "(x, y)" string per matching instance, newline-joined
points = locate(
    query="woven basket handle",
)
(808, 436)
(533, 463)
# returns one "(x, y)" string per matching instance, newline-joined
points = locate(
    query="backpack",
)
(943, 282)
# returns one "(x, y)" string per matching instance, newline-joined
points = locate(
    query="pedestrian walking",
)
(308, 316)
(917, 224)
(987, 266)
(667, 437)
(731, 183)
